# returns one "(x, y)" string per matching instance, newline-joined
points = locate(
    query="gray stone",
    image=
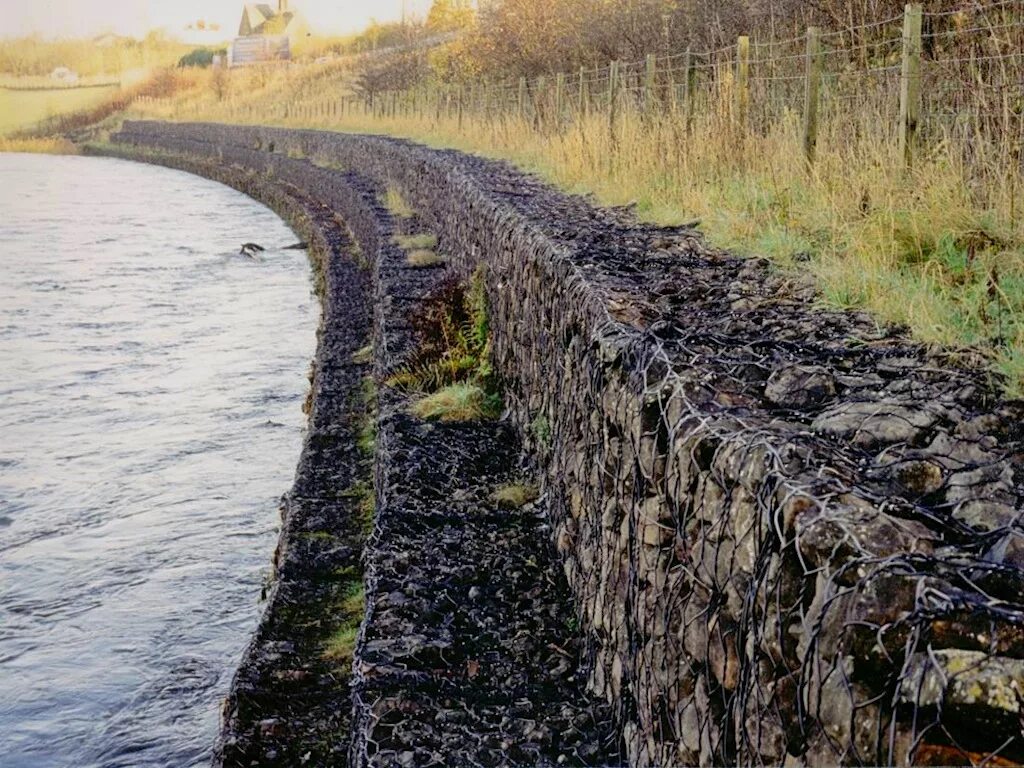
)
(870, 424)
(831, 536)
(966, 678)
(993, 482)
(1009, 550)
(985, 515)
(798, 387)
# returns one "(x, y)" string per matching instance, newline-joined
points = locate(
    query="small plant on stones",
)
(515, 495)
(424, 241)
(422, 258)
(452, 366)
(396, 203)
(541, 429)
(420, 250)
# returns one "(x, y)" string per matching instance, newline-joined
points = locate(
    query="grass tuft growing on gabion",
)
(515, 495)
(424, 258)
(458, 402)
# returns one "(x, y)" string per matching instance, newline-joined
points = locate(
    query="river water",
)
(151, 383)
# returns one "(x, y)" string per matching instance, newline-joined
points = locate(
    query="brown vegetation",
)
(34, 56)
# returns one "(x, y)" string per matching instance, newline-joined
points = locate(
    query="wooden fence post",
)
(812, 87)
(910, 82)
(613, 96)
(584, 107)
(690, 88)
(650, 69)
(540, 102)
(559, 94)
(462, 98)
(521, 104)
(742, 81)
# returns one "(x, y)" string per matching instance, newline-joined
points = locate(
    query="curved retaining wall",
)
(791, 536)
(288, 704)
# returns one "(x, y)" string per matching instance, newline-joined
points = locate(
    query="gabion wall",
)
(792, 536)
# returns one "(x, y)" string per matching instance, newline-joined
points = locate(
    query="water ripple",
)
(151, 383)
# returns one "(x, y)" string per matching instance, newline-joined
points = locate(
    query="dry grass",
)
(23, 109)
(458, 402)
(422, 257)
(397, 204)
(936, 249)
(47, 146)
(515, 495)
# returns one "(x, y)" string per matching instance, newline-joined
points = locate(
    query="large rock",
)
(873, 423)
(972, 679)
(798, 387)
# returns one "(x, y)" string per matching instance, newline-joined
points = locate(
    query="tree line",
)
(506, 39)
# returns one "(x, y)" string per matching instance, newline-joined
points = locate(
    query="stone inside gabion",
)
(792, 536)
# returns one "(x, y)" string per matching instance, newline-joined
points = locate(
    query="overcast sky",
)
(78, 18)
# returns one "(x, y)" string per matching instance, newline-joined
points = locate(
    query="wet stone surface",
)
(471, 653)
(289, 704)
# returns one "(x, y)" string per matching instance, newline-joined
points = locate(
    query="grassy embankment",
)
(924, 247)
(938, 248)
(21, 109)
(106, 70)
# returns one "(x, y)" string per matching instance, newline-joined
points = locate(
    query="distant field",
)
(21, 109)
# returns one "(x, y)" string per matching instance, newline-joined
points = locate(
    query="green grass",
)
(422, 257)
(354, 601)
(339, 647)
(458, 402)
(367, 438)
(424, 241)
(23, 109)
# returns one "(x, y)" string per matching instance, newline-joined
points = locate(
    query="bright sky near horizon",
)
(82, 18)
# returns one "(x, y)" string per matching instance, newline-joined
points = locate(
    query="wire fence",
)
(949, 80)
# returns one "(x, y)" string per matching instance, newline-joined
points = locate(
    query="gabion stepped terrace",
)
(766, 532)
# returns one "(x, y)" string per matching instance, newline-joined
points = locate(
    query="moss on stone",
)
(363, 356)
(424, 240)
(424, 258)
(341, 644)
(366, 440)
(316, 535)
(515, 495)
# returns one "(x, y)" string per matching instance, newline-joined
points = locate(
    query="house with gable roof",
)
(265, 34)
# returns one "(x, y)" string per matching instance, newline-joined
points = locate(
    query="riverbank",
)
(289, 699)
(746, 493)
(153, 382)
(285, 704)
